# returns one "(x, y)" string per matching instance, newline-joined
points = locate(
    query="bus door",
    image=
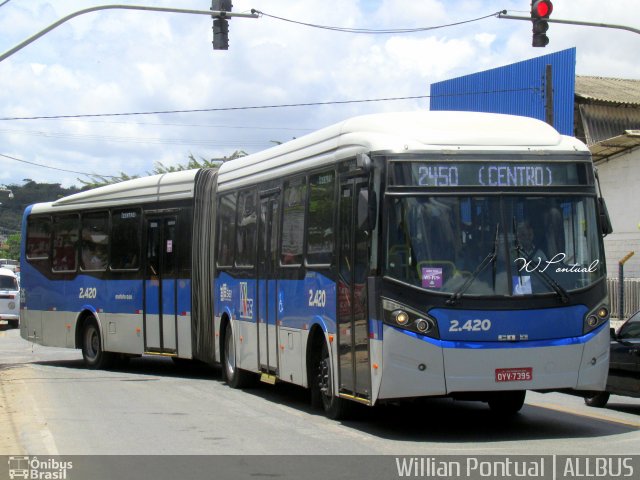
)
(160, 315)
(267, 324)
(353, 265)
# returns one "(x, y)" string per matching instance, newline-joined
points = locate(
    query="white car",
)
(9, 297)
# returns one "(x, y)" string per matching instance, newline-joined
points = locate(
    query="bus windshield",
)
(505, 245)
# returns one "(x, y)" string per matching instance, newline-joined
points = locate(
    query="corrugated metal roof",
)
(618, 91)
(615, 145)
(601, 122)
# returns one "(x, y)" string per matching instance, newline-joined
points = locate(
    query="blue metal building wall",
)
(517, 89)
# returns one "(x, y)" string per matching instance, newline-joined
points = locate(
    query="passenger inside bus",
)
(94, 257)
(528, 248)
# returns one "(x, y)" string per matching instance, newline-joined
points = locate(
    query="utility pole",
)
(209, 13)
(548, 95)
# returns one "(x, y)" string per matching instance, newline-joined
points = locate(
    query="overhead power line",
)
(203, 125)
(261, 107)
(373, 31)
(144, 140)
(55, 168)
(222, 109)
(191, 125)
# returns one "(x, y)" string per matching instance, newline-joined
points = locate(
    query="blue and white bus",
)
(387, 257)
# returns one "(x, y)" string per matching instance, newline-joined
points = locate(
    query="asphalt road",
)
(51, 404)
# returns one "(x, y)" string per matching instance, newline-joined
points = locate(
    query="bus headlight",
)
(595, 318)
(423, 326)
(400, 316)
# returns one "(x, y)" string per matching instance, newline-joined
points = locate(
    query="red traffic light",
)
(541, 9)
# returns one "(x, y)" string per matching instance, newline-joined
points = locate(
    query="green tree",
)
(11, 248)
(95, 181)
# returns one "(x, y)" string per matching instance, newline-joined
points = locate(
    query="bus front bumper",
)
(415, 366)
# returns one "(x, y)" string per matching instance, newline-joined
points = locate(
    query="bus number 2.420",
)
(89, 292)
(317, 298)
(476, 325)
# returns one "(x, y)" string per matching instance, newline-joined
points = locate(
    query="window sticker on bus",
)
(431, 277)
(226, 295)
(522, 285)
(169, 246)
(246, 303)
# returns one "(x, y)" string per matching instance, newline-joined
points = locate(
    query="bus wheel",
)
(334, 407)
(94, 357)
(234, 376)
(507, 403)
(599, 400)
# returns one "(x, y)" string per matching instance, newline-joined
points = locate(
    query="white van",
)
(9, 297)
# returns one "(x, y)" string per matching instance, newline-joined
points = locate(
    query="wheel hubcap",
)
(324, 381)
(230, 355)
(93, 342)
(323, 377)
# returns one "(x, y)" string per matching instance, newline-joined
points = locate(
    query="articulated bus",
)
(388, 257)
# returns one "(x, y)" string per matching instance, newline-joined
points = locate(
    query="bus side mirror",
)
(605, 221)
(367, 211)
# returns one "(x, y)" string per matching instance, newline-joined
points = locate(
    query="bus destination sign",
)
(483, 174)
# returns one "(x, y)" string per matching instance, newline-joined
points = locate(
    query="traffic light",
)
(540, 11)
(221, 24)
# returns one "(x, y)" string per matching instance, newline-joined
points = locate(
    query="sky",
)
(119, 61)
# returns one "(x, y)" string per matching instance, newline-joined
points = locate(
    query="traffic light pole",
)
(572, 22)
(209, 13)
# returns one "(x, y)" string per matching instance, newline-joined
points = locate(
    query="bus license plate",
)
(514, 374)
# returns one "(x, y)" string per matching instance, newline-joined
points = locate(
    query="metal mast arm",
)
(210, 13)
(573, 22)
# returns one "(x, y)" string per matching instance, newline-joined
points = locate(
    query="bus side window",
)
(38, 242)
(65, 243)
(226, 230)
(246, 229)
(322, 206)
(94, 241)
(125, 239)
(292, 237)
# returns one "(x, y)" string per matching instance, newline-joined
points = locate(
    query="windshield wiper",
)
(488, 260)
(555, 286)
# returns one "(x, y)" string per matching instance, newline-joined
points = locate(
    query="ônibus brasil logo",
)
(32, 468)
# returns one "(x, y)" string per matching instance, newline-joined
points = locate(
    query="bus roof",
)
(384, 132)
(397, 133)
(166, 186)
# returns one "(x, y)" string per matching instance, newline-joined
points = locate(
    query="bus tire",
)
(234, 376)
(334, 407)
(507, 403)
(599, 400)
(94, 356)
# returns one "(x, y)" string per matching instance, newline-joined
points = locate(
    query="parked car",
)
(9, 297)
(624, 363)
